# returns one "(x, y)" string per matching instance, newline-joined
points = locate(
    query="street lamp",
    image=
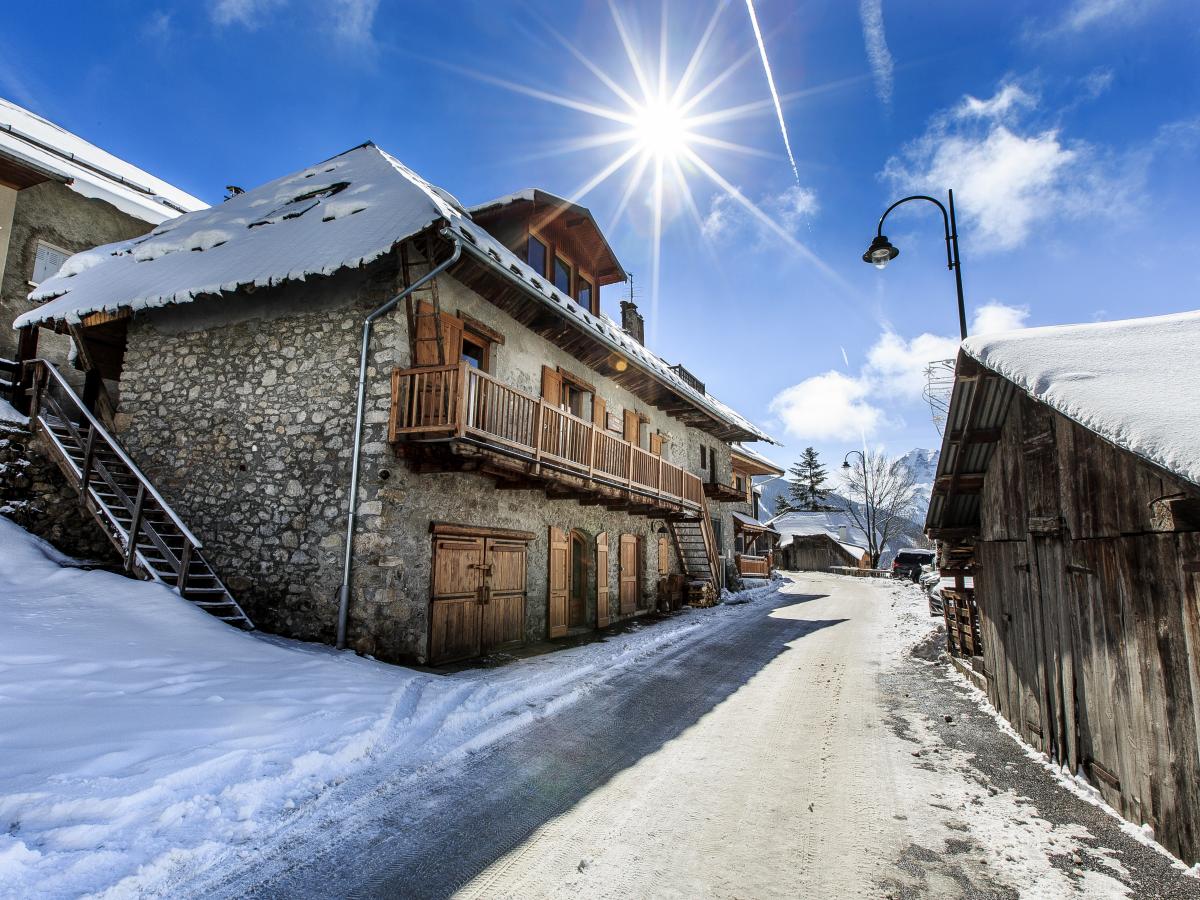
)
(882, 251)
(866, 497)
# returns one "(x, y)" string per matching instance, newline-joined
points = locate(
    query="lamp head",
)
(881, 252)
(845, 463)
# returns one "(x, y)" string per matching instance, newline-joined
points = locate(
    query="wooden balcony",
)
(725, 493)
(753, 566)
(457, 417)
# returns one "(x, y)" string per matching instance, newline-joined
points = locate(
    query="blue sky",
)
(1070, 133)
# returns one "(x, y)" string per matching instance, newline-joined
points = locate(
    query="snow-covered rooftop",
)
(342, 213)
(829, 522)
(93, 172)
(1133, 382)
(757, 457)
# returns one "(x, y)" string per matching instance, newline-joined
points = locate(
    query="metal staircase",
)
(123, 501)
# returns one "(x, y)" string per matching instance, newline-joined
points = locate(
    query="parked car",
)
(908, 563)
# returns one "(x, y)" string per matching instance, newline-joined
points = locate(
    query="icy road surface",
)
(796, 750)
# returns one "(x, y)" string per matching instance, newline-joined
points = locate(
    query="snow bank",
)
(9, 414)
(141, 735)
(1133, 382)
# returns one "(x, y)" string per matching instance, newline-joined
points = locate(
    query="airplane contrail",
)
(762, 51)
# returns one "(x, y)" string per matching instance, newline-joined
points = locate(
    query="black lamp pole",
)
(866, 496)
(882, 251)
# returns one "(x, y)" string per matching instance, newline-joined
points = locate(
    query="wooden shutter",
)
(551, 386)
(656, 444)
(599, 411)
(560, 560)
(664, 555)
(602, 579)
(633, 424)
(504, 600)
(425, 345)
(629, 574)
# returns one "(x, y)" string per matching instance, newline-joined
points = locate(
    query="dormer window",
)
(537, 256)
(562, 275)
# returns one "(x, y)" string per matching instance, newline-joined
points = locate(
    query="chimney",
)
(843, 534)
(632, 321)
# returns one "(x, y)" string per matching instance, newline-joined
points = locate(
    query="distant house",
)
(1069, 489)
(819, 553)
(60, 195)
(754, 542)
(524, 467)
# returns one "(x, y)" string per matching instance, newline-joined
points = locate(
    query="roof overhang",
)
(560, 323)
(19, 173)
(752, 464)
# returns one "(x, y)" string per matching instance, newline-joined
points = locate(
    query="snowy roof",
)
(743, 450)
(1133, 382)
(852, 549)
(753, 523)
(827, 522)
(342, 213)
(90, 171)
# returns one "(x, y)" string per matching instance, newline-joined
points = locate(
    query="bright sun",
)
(661, 129)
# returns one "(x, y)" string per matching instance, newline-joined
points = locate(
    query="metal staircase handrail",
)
(115, 447)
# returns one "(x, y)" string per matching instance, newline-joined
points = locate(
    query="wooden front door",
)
(577, 607)
(560, 552)
(478, 596)
(629, 574)
(602, 579)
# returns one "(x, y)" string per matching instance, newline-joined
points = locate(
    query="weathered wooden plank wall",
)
(1091, 618)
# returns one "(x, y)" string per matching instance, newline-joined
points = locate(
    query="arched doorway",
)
(577, 598)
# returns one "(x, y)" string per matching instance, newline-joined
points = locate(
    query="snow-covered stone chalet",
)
(527, 467)
(1068, 490)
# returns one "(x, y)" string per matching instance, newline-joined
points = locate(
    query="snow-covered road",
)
(797, 750)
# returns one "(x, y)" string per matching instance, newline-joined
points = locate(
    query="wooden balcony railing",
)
(753, 566)
(461, 401)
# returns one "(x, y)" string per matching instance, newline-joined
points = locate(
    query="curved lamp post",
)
(882, 251)
(866, 493)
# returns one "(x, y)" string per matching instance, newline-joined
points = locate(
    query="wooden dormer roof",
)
(568, 225)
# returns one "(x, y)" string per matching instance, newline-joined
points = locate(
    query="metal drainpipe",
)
(352, 514)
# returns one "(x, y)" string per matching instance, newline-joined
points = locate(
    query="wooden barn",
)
(819, 553)
(1068, 492)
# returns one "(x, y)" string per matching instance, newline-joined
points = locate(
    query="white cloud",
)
(353, 19)
(839, 406)
(832, 405)
(878, 55)
(248, 13)
(1085, 14)
(789, 209)
(1008, 174)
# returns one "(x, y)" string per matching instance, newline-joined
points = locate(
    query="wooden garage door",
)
(478, 593)
(629, 574)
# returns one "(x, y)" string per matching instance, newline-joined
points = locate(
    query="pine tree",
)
(806, 487)
(782, 505)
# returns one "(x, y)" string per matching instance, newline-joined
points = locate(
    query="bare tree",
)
(879, 495)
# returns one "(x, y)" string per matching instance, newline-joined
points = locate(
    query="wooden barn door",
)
(602, 579)
(478, 596)
(629, 574)
(504, 594)
(456, 613)
(560, 563)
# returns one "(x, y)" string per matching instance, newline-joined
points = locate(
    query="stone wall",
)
(53, 213)
(241, 410)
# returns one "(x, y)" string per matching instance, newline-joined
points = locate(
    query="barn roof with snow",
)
(32, 142)
(1133, 382)
(838, 525)
(343, 213)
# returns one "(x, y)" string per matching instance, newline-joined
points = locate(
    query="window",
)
(475, 352)
(537, 256)
(577, 400)
(47, 260)
(703, 457)
(562, 275)
(584, 293)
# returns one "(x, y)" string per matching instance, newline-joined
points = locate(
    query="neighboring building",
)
(819, 552)
(528, 467)
(754, 542)
(1069, 488)
(60, 195)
